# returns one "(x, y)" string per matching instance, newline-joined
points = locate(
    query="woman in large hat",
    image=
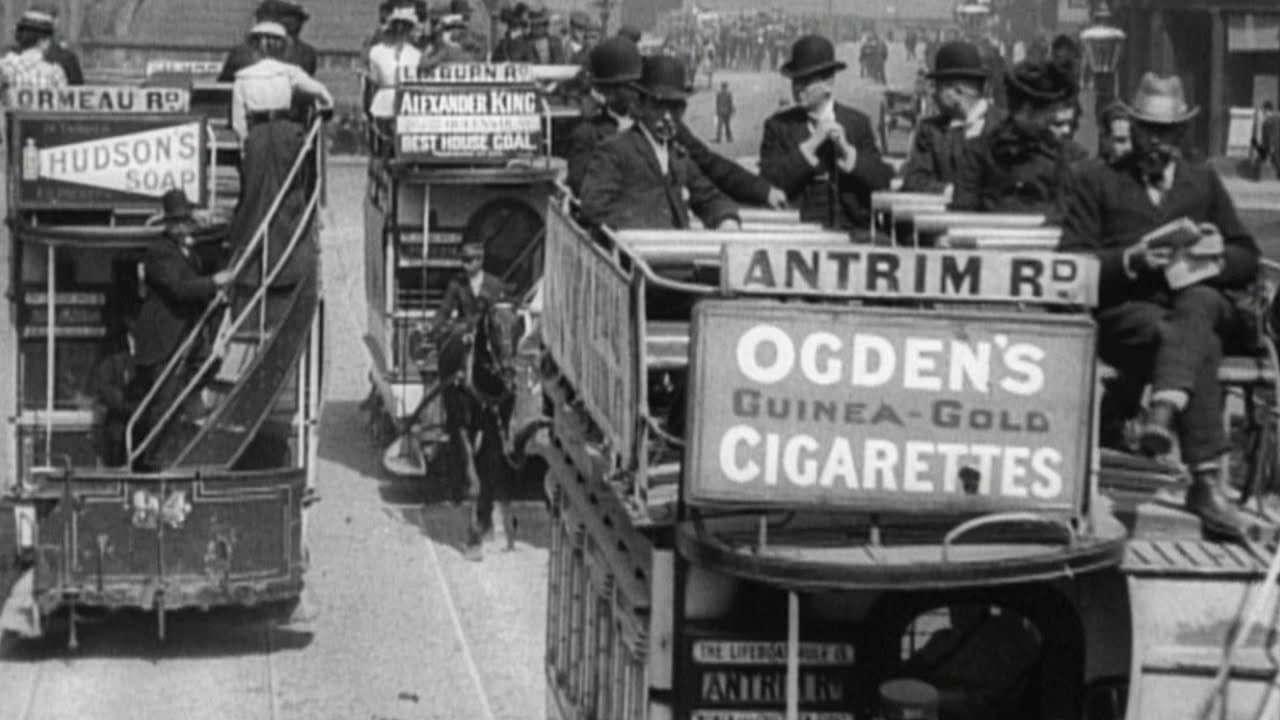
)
(821, 153)
(959, 80)
(1022, 165)
(1168, 335)
(641, 178)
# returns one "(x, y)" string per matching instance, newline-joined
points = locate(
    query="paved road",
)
(407, 628)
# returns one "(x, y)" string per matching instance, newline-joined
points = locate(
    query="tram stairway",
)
(261, 332)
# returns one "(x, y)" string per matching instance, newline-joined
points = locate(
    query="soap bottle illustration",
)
(30, 160)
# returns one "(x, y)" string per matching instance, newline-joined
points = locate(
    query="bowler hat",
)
(958, 60)
(811, 55)
(176, 206)
(665, 78)
(614, 62)
(1161, 101)
(1039, 82)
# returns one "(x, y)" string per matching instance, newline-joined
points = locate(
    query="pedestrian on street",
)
(959, 92)
(724, 113)
(27, 66)
(58, 53)
(821, 153)
(641, 178)
(1154, 331)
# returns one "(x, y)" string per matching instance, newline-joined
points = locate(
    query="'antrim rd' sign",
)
(88, 161)
(1038, 277)
(746, 679)
(450, 123)
(887, 410)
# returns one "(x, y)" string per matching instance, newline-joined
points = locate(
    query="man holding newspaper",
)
(1170, 242)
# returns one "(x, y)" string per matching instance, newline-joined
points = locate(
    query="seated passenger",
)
(28, 66)
(388, 59)
(821, 153)
(1022, 164)
(959, 84)
(638, 179)
(453, 42)
(1150, 332)
(613, 67)
(546, 49)
(514, 46)
(178, 290)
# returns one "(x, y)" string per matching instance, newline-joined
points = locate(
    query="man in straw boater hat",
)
(1163, 319)
(821, 153)
(1023, 163)
(58, 53)
(27, 65)
(641, 178)
(959, 80)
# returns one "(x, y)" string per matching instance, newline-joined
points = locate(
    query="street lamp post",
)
(1103, 43)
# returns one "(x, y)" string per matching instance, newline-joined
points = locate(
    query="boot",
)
(1155, 436)
(1220, 519)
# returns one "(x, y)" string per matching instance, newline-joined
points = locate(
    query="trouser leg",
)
(1128, 339)
(1188, 360)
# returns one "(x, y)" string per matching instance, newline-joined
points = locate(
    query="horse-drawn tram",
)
(465, 162)
(131, 481)
(824, 480)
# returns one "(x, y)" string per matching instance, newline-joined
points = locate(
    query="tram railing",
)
(256, 304)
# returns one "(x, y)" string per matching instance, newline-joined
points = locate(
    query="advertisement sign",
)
(590, 330)
(467, 74)
(797, 269)
(448, 123)
(745, 679)
(99, 98)
(888, 410)
(112, 162)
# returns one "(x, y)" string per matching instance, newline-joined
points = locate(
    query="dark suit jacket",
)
(1004, 172)
(555, 51)
(784, 167)
(585, 139)
(740, 184)
(59, 54)
(937, 152)
(459, 299)
(1108, 209)
(177, 294)
(517, 50)
(624, 188)
(242, 56)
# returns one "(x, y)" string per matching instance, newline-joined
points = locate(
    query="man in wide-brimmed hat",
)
(1152, 328)
(1022, 164)
(821, 153)
(642, 177)
(959, 80)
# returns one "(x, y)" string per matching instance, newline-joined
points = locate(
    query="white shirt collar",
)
(624, 121)
(660, 150)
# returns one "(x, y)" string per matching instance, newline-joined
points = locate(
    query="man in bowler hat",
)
(959, 79)
(821, 153)
(641, 178)
(1172, 339)
(178, 290)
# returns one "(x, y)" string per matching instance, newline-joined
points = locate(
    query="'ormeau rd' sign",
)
(887, 410)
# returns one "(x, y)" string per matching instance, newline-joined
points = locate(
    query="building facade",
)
(1227, 53)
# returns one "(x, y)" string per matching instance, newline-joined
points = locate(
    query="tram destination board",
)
(459, 123)
(110, 162)
(735, 677)
(889, 410)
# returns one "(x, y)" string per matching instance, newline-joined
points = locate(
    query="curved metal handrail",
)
(258, 240)
(1000, 519)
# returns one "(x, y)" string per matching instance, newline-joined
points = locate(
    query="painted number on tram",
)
(883, 409)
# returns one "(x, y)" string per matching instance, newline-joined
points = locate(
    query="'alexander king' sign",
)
(88, 161)
(882, 409)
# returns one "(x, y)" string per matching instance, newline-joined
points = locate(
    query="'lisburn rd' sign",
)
(878, 409)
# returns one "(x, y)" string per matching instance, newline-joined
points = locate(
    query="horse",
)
(479, 393)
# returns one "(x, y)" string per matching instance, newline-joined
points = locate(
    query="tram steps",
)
(244, 393)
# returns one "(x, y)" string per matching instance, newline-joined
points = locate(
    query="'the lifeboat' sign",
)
(451, 123)
(1031, 277)
(87, 161)
(94, 98)
(886, 410)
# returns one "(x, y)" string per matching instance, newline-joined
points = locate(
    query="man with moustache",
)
(820, 153)
(1171, 339)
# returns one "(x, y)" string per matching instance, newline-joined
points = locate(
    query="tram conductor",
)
(821, 153)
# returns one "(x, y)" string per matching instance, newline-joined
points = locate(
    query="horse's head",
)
(493, 355)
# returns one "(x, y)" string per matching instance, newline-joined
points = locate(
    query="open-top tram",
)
(115, 495)
(862, 481)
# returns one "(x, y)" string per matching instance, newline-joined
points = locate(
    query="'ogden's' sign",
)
(1038, 277)
(106, 161)
(880, 409)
